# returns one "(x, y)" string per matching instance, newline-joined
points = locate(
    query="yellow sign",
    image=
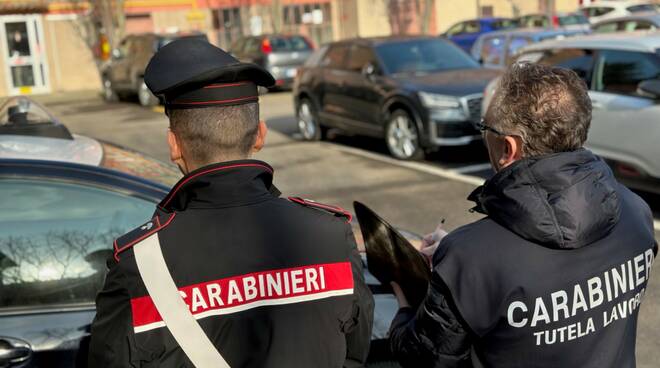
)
(195, 15)
(25, 90)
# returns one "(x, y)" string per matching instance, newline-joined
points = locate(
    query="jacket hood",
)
(564, 201)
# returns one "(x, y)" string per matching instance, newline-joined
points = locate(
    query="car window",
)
(252, 45)
(607, 27)
(641, 8)
(472, 27)
(637, 25)
(503, 24)
(539, 21)
(578, 60)
(573, 19)
(456, 29)
(55, 238)
(420, 56)
(517, 43)
(136, 164)
(315, 58)
(360, 56)
(492, 51)
(601, 11)
(293, 43)
(335, 57)
(621, 71)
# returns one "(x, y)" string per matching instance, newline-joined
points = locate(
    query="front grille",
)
(474, 109)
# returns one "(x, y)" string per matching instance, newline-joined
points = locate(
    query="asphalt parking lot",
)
(412, 195)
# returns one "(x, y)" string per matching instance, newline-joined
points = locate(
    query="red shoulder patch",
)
(336, 210)
(142, 232)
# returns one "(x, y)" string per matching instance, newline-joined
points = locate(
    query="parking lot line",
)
(419, 166)
(454, 174)
(472, 168)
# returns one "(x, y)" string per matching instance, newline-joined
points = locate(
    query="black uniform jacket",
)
(553, 277)
(272, 282)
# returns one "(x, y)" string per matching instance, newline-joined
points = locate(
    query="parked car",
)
(499, 49)
(599, 11)
(417, 93)
(65, 198)
(572, 21)
(622, 72)
(123, 75)
(281, 55)
(465, 33)
(638, 22)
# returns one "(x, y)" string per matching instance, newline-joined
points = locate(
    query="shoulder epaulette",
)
(142, 232)
(335, 210)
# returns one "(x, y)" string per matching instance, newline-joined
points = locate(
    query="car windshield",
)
(289, 43)
(423, 56)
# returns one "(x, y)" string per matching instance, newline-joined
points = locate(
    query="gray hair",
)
(216, 133)
(548, 107)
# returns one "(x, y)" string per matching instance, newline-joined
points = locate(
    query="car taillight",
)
(266, 48)
(555, 21)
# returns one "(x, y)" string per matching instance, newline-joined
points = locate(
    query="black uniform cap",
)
(191, 73)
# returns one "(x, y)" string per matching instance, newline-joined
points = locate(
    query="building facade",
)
(43, 49)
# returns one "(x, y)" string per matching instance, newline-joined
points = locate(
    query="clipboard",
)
(391, 257)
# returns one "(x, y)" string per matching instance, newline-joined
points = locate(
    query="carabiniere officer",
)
(227, 273)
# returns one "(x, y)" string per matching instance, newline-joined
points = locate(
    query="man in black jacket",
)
(554, 275)
(227, 274)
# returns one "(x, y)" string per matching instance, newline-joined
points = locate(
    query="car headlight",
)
(442, 107)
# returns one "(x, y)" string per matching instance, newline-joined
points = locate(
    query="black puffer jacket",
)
(552, 277)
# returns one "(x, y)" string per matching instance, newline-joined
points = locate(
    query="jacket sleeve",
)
(432, 336)
(358, 331)
(112, 331)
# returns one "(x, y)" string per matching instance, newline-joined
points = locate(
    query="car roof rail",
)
(23, 116)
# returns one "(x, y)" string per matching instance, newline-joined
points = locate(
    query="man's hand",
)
(431, 241)
(400, 297)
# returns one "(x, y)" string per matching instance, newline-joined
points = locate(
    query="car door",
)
(119, 71)
(334, 108)
(56, 234)
(625, 125)
(364, 96)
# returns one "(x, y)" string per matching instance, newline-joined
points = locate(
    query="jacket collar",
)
(225, 184)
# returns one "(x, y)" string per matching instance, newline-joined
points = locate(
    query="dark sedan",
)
(418, 93)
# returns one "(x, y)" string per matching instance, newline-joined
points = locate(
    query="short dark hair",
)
(549, 107)
(216, 133)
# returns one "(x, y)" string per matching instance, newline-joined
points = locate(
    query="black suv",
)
(123, 75)
(418, 93)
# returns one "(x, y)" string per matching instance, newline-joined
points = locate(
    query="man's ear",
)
(259, 143)
(175, 149)
(512, 151)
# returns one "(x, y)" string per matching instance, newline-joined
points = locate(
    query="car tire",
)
(109, 94)
(145, 97)
(308, 123)
(402, 136)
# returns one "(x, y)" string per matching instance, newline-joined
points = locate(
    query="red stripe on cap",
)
(223, 85)
(239, 293)
(216, 101)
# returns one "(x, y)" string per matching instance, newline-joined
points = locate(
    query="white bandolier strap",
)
(173, 310)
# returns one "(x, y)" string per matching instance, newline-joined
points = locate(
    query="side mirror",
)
(649, 88)
(116, 54)
(369, 70)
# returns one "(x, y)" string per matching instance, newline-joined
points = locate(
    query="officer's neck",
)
(190, 165)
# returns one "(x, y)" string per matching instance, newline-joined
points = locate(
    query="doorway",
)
(24, 54)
